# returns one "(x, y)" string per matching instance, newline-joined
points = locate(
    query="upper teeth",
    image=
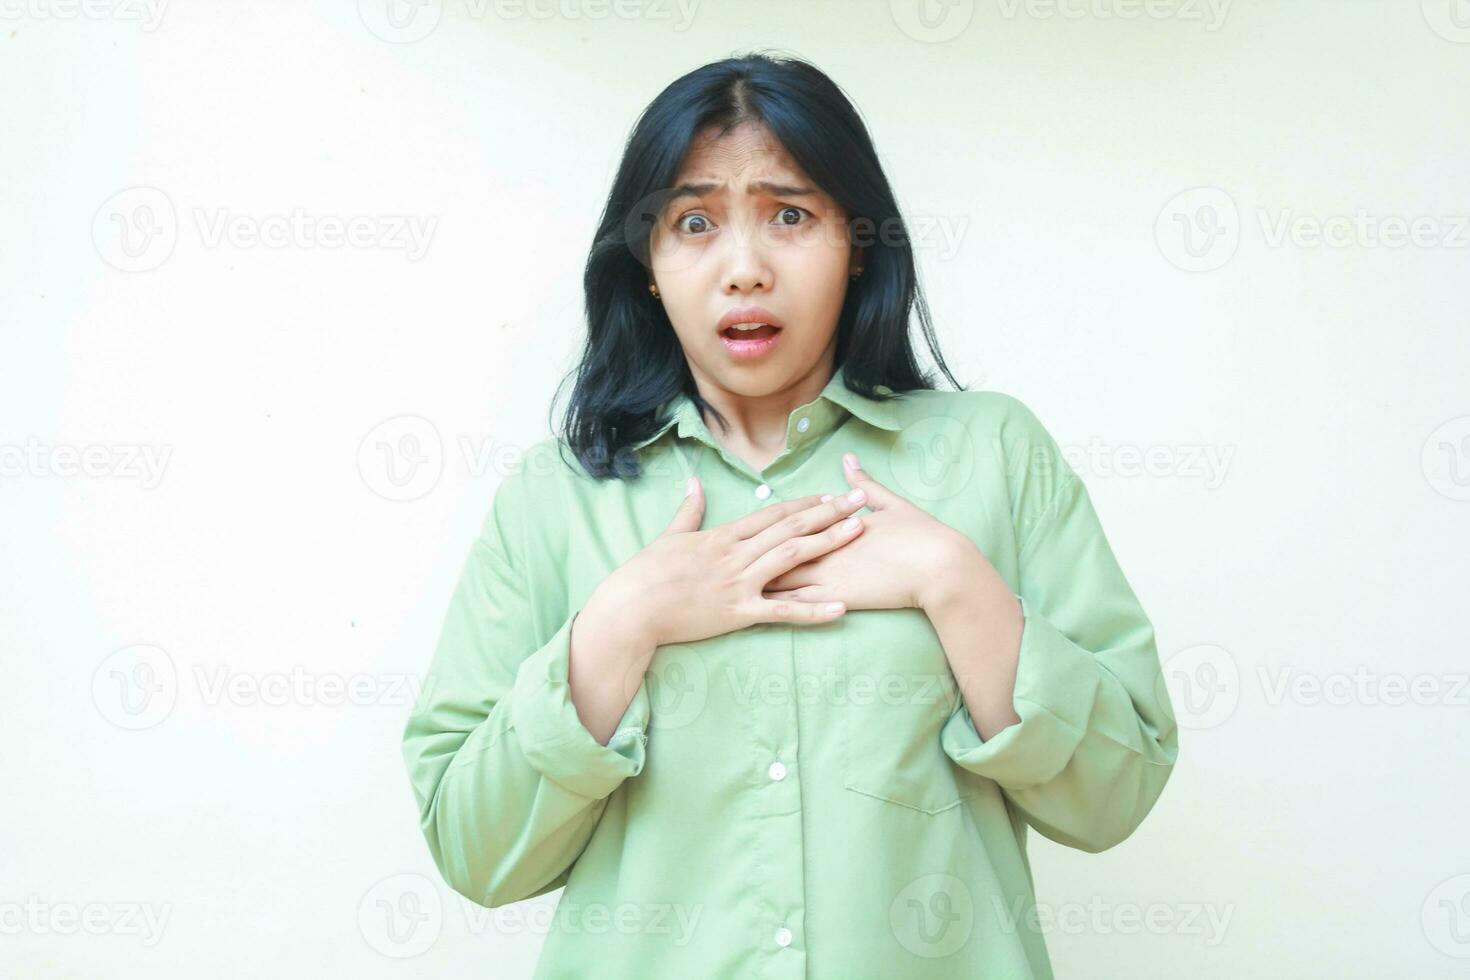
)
(749, 326)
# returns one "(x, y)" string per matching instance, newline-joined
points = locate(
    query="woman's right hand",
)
(689, 584)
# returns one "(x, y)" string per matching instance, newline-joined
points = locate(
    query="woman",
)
(797, 721)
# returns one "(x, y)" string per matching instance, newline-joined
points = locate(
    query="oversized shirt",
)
(790, 801)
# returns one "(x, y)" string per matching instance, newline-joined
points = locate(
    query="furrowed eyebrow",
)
(770, 188)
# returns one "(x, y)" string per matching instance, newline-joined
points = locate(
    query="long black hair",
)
(632, 361)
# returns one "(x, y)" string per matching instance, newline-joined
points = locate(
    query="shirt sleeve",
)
(1097, 738)
(510, 784)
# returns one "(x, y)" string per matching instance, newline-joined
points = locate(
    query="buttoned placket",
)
(779, 648)
(775, 649)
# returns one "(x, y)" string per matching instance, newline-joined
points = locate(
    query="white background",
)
(1298, 535)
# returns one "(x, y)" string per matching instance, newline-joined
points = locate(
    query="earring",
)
(856, 274)
(653, 288)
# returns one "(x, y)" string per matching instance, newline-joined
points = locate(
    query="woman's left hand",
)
(903, 556)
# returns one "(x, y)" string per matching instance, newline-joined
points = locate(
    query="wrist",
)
(962, 578)
(621, 623)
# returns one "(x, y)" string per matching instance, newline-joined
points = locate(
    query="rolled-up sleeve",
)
(510, 784)
(1097, 738)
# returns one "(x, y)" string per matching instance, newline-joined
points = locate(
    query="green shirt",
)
(790, 801)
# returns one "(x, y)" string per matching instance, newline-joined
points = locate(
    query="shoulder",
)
(1003, 432)
(536, 484)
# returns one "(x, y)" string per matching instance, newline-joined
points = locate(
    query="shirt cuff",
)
(552, 736)
(1056, 687)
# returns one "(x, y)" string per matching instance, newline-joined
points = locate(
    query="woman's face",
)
(745, 227)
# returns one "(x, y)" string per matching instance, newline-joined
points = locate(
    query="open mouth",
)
(750, 331)
(755, 343)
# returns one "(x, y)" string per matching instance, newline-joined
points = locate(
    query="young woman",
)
(776, 670)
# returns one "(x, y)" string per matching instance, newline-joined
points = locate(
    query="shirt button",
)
(803, 423)
(763, 491)
(777, 771)
(783, 936)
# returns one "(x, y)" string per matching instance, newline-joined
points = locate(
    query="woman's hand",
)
(904, 558)
(689, 584)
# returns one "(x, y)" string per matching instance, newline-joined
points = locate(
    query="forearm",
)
(979, 622)
(606, 663)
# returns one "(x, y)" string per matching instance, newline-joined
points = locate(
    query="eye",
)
(679, 224)
(790, 207)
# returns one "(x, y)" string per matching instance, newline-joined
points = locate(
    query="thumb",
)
(691, 511)
(879, 496)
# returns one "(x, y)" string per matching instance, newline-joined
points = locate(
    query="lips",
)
(758, 322)
(751, 331)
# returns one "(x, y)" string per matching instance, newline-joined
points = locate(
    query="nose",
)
(747, 262)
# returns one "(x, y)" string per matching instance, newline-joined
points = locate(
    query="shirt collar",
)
(822, 415)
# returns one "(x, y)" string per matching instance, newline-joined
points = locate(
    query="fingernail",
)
(826, 497)
(850, 525)
(833, 608)
(689, 486)
(851, 460)
(856, 496)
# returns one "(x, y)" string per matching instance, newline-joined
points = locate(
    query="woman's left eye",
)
(791, 208)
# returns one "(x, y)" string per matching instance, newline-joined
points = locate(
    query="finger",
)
(787, 554)
(806, 593)
(879, 496)
(803, 522)
(691, 510)
(792, 611)
(757, 521)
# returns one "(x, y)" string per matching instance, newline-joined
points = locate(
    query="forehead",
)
(744, 153)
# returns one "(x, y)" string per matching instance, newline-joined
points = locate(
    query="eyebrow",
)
(770, 188)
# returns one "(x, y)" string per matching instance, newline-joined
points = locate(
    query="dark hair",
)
(632, 361)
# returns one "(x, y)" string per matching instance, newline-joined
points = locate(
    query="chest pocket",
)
(899, 692)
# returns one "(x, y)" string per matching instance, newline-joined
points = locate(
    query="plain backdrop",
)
(286, 288)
